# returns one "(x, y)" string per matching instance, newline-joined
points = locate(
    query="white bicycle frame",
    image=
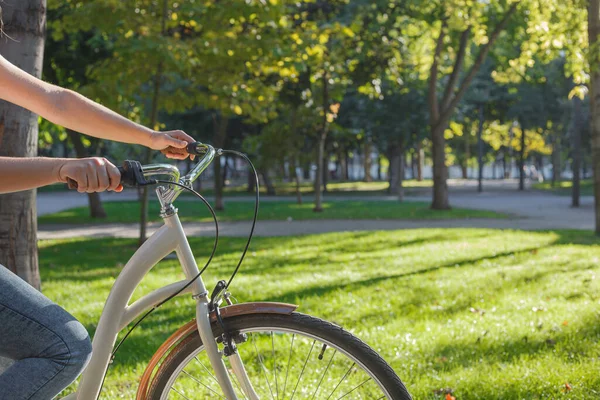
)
(118, 313)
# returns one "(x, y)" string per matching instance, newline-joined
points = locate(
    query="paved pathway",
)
(528, 210)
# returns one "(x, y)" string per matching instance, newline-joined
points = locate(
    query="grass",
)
(564, 188)
(128, 212)
(483, 313)
(377, 188)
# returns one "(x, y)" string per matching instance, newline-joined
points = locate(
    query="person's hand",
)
(94, 174)
(172, 143)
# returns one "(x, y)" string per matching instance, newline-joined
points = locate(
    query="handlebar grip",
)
(131, 175)
(197, 148)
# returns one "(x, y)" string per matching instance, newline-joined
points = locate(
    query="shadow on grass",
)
(96, 259)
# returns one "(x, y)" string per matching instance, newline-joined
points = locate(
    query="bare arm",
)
(71, 110)
(92, 174)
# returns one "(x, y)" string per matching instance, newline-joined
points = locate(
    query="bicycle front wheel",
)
(292, 356)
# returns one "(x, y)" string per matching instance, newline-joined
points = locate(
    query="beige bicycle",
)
(230, 351)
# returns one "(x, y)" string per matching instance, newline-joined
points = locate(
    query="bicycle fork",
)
(215, 356)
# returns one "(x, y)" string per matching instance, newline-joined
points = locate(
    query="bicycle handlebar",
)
(134, 174)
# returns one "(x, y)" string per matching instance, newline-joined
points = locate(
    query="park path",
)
(529, 210)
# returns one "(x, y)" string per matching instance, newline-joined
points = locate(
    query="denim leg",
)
(49, 346)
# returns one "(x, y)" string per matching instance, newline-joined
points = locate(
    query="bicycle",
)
(255, 350)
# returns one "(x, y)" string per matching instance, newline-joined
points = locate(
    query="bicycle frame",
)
(117, 312)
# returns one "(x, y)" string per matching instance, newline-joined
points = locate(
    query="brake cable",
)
(212, 211)
(221, 285)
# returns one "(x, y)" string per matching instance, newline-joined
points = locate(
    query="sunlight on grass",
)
(565, 187)
(484, 312)
(128, 212)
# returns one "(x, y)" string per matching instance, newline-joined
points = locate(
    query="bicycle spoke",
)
(356, 387)
(207, 370)
(235, 381)
(288, 366)
(275, 365)
(179, 393)
(260, 358)
(342, 380)
(303, 368)
(201, 383)
(324, 373)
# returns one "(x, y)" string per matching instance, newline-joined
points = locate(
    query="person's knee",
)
(79, 346)
(72, 351)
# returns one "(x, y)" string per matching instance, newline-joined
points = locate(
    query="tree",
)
(593, 11)
(65, 65)
(442, 108)
(25, 23)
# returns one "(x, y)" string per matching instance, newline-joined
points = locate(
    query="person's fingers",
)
(114, 176)
(103, 177)
(176, 156)
(175, 153)
(119, 188)
(170, 140)
(81, 178)
(95, 167)
(182, 135)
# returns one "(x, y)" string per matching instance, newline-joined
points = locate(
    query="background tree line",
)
(308, 84)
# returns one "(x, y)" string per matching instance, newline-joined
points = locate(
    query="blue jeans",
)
(50, 348)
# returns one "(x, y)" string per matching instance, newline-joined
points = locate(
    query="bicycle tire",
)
(306, 327)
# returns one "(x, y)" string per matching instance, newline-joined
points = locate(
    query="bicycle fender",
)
(226, 312)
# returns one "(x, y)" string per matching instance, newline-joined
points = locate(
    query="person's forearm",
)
(80, 114)
(18, 174)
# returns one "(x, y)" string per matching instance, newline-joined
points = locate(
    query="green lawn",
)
(338, 188)
(564, 188)
(486, 313)
(125, 212)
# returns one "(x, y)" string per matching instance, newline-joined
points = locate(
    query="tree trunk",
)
(25, 22)
(306, 171)
(153, 122)
(441, 110)
(576, 150)
(420, 160)
(379, 167)
(440, 171)
(522, 160)
(225, 170)
(594, 62)
(395, 168)
(321, 152)
(555, 160)
(367, 161)
(480, 151)
(401, 172)
(268, 182)
(465, 164)
(220, 124)
(251, 181)
(96, 208)
(325, 172)
(343, 155)
(294, 175)
(346, 164)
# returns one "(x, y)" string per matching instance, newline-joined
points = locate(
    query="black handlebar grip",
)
(130, 172)
(196, 148)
